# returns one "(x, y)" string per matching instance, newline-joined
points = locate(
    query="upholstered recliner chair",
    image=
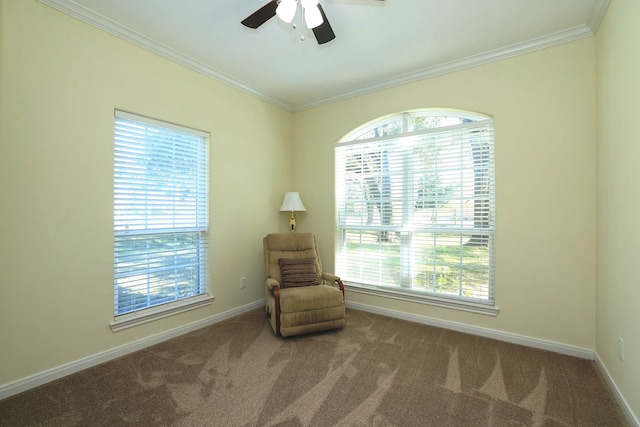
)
(300, 297)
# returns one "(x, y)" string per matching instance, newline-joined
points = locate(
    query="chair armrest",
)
(272, 283)
(333, 279)
(273, 287)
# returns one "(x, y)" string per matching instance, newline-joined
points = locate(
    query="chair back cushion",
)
(292, 246)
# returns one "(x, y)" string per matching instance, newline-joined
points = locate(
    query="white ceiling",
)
(378, 43)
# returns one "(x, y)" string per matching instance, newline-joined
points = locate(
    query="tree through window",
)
(160, 213)
(415, 206)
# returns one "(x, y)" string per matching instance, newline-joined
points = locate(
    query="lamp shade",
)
(292, 202)
(312, 17)
(286, 10)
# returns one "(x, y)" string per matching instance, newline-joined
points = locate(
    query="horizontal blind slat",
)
(160, 212)
(400, 197)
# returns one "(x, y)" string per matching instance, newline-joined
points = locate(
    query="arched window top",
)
(415, 208)
(412, 121)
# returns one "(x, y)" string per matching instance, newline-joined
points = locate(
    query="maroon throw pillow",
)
(298, 272)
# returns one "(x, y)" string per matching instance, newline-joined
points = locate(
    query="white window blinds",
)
(160, 213)
(415, 211)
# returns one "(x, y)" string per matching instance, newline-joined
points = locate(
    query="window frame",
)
(400, 290)
(188, 223)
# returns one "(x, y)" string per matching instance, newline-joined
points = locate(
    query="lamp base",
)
(292, 222)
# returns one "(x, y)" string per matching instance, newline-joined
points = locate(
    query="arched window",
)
(415, 208)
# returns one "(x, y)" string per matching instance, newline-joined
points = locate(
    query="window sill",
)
(488, 310)
(165, 310)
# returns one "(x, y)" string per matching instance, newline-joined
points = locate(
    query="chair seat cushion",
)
(309, 298)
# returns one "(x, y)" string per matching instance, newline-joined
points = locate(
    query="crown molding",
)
(112, 27)
(99, 21)
(461, 64)
(597, 15)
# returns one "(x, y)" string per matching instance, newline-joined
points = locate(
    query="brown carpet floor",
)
(377, 371)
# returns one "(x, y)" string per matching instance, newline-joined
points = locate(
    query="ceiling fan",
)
(314, 16)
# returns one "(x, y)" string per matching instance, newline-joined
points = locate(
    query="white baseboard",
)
(49, 375)
(44, 377)
(633, 420)
(583, 353)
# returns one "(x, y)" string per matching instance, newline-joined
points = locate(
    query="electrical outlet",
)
(620, 348)
(243, 282)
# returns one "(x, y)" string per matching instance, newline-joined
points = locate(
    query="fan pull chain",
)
(295, 27)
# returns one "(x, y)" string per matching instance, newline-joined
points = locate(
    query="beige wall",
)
(543, 104)
(60, 82)
(618, 284)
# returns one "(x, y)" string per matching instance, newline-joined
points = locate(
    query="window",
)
(415, 209)
(160, 216)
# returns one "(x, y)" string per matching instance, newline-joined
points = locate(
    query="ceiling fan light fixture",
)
(312, 16)
(286, 10)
